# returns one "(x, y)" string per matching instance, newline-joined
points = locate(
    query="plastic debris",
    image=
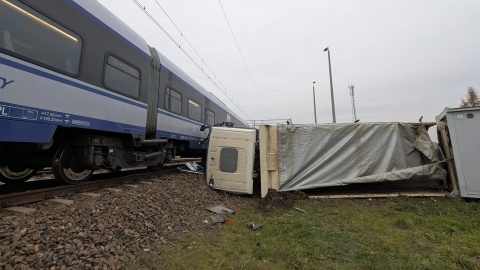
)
(219, 218)
(192, 167)
(221, 214)
(253, 226)
(220, 209)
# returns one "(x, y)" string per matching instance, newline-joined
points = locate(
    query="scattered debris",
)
(221, 214)
(303, 211)
(279, 200)
(219, 218)
(192, 167)
(254, 226)
(219, 209)
(150, 217)
(43, 226)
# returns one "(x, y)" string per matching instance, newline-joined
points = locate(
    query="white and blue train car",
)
(79, 90)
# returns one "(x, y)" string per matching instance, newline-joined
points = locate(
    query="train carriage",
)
(79, 90)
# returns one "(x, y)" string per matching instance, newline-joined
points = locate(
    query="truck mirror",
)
(203, 127)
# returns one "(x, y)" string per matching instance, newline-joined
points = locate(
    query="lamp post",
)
(314, 105)
(331, 85)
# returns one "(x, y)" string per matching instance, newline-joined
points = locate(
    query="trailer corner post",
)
(448, 155)
(268, 159)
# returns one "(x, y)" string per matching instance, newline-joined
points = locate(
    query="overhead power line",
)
(196, 52)
(224, 90)
(243, 58)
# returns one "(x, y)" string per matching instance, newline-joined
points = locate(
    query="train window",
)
(194, 110)
(121, 77)
(173, 101)
(209, 118)
(29, 35)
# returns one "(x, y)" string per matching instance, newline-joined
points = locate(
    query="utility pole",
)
(352, 94)
(331, 86)
(314, 105)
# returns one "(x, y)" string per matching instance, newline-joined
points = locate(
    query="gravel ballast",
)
(106, 231)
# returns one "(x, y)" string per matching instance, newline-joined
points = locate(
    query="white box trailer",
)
(460, 129)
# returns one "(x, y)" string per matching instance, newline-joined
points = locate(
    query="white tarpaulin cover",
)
(312, 156)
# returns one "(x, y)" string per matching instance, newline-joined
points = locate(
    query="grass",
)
(399, 233)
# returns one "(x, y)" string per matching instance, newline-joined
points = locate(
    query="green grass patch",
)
(399, 233)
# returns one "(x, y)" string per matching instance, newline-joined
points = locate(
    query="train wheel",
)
(67, 167)
(12, 174)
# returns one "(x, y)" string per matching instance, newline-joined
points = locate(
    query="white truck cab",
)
(230, 159)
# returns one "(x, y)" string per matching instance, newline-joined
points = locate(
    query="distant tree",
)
(472, 99)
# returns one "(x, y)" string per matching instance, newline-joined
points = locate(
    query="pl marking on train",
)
(18, 113)
(4, 82)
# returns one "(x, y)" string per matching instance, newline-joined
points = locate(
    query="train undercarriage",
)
(73, 160)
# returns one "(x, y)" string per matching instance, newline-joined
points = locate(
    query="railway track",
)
(175, 162)
(47, 189)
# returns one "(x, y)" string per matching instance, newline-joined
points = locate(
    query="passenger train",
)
(80, 90)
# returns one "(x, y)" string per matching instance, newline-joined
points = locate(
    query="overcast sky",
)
(406, 58)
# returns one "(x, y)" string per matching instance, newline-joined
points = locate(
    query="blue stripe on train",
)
(90, 89)
(36, 115)
(37, 125)
(59, 79)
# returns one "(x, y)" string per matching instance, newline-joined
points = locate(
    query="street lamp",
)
(331, 85)
(314, 105)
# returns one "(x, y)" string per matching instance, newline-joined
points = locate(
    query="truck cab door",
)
(230, 159)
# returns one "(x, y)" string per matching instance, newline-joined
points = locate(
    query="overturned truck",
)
(296, 157)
